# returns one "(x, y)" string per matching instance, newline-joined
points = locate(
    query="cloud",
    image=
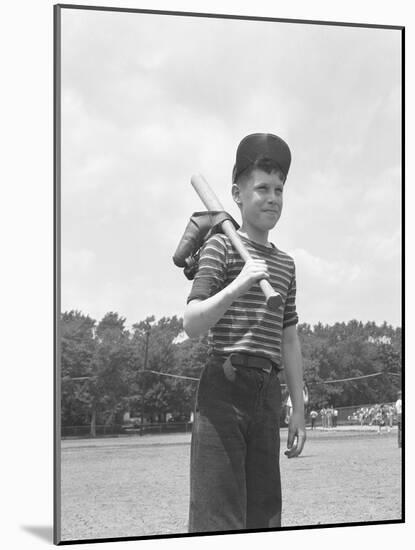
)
(387, 249)
(150, 100)
(334, 273)
(75, 261)
(332, 290)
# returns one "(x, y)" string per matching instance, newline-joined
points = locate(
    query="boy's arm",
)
(201, 315)
(293, 365)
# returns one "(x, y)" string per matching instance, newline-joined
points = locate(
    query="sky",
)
(148, 100)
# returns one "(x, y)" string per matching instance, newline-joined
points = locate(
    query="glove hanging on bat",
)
(200, 227)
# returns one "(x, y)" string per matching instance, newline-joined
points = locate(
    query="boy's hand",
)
(296, 435)
(254, 270)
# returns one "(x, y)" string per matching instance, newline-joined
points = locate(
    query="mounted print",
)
(228, 274)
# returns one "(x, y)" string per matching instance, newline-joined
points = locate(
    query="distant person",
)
(371, 414)
(335, 415)
(398, 409)
(323, 413)
(381, 417)
(313, 416)
(329, 416)
(362, 415)
(389, 417)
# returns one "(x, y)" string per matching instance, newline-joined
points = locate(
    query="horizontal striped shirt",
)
(248, 325)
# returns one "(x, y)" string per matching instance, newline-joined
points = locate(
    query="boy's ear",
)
(236, 193)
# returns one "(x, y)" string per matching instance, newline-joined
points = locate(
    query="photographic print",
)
(239, 370)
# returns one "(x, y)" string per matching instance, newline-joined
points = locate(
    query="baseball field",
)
(139, 486)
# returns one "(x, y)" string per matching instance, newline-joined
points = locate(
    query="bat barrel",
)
(206, 194)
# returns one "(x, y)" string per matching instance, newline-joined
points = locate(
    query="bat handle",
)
(272, 299)
(210, 200)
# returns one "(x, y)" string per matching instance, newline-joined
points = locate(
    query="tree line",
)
(105, 367)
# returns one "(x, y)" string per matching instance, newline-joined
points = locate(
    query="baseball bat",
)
(211, 201)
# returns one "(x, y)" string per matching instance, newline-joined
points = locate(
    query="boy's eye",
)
(265, 189)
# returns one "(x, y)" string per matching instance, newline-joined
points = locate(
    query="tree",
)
(191, 357)
(106, 370)
(350, 350)
(78, 348)
(110, 369)
(155, 350)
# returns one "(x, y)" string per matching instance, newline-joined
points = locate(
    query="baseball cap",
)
(261, 146)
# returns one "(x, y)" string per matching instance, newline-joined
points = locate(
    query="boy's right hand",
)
(254, 270)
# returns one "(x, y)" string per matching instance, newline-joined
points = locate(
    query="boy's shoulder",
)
(219, 241)
(284, 256)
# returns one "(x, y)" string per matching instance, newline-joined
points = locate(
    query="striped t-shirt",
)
(248, 325)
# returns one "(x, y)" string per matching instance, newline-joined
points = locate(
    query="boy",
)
(234, 472)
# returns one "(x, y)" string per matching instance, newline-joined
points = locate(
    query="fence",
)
(345, 416)
(85, 431)
(118, 429)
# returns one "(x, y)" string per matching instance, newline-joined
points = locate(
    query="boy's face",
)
(260, 199)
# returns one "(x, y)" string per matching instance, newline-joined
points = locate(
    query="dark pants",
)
(234, 471)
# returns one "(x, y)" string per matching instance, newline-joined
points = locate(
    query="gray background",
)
(148, 100)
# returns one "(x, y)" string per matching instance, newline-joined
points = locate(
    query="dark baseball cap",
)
(261, 146)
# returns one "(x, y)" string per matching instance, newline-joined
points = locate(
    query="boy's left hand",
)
(296, 435)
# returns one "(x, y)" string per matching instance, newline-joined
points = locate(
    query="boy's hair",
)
(263, 163)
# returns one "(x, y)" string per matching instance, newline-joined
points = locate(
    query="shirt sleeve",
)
(211, 275)
(290, 311)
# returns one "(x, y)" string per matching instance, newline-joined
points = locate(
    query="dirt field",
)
(134, 486)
